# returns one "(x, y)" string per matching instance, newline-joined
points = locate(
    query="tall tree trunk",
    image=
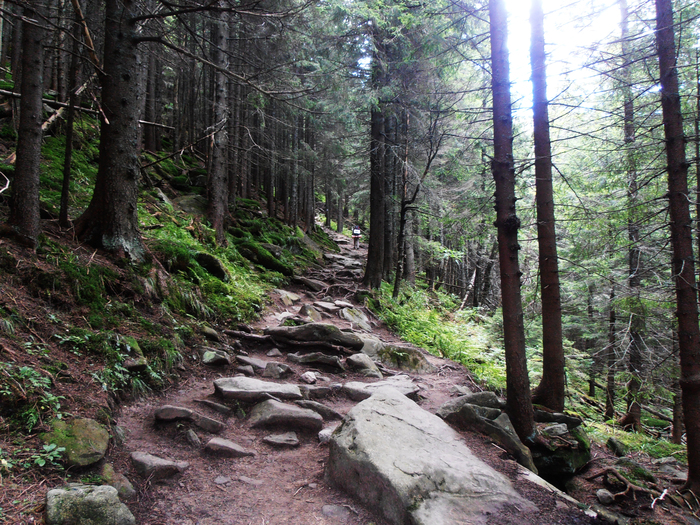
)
(517, 381)
(111, 219)
(375, 251)
(24, 213)
(681, 239)
(551, 390)
(610, 354)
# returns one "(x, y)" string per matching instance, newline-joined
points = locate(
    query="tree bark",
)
(111, 220)
(517, 381)
(681, 239)
(24, 213)
(551, 390)
(610, 354)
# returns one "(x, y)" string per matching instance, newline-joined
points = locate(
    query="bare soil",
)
(276, 486)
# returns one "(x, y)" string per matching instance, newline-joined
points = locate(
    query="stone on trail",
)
(287, 439)
(316, 332)
(288, 298)
(208, 424)
(405, 358)
(117, 480)
(169, 413)
(317, 358)
(357, 390)
(312, 284)
(274, 352)
(273, 413)
(324, 436)
(193, 438)
(343, 304)
(327, 413)
(215, 357)
(88, 504)
(210, 333)
(257, 364)
(411, 467)
(84, 439)
(246, 370)
(326, 307)
(155, 468)
(308, 377)
(276, 370)
(357, 317)
(251, 389)
(218, 407)
(364, 364)
(311, 312)
(223, 447)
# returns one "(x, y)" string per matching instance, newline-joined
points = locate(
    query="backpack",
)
(356, 231)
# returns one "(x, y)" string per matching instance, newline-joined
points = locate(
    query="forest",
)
(555, 193)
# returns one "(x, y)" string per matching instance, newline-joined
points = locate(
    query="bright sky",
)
(571, 28)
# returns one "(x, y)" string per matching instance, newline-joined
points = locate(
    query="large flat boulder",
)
(316, 332)
(251, 389)
(411, 467)
(358, 390)
(272, 413)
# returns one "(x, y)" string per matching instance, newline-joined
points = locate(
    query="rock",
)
(210, 333)
(85, 440)
(276, 370)
(138, 364)
(567, 457)
(325, 412)
(315, 392)
(273, 413)
(274, 352)
(287, 439)
(364, 364)
(432, 478)
(257, 364)
(371, 345)
(326, 307)
(558, 429)
(356, 317)
(222, 480)
(542, 416)
(470, 417)
(605, 497)
(218, 407)
(404, 358)
(317, 358)
(336, 513)
(246, 370)
(155, 468)
(312, 284)
(344, 304)
(316, 332)
(119, 434)
(212, 265)
(672, 473)
(223, 447)
(193, 438)
(617, 447)
(358, 391)
(250, 389)
(168, 413)
(308, 377)
(311, 312)
(86, 504)
(484, 399)
(288, 298)
(324, 436)
(634, 471)
(208, 424)
(119, 481)
(215, 357)
(250, 481)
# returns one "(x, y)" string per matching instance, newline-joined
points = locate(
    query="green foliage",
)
(637, 442)
(50, 455)
(26, 397)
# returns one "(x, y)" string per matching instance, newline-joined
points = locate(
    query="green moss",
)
(259, 255)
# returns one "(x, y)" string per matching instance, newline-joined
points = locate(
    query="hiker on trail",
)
(356, 237)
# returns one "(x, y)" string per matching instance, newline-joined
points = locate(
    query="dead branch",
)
(629, 486)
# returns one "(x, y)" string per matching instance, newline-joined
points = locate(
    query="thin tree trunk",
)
(517, 381)
(610, 354)
(681, 239)
(63, 219)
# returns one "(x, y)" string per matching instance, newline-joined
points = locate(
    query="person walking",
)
(356, 237)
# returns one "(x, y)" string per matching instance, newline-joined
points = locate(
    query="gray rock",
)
(276, 370)
(324, 436)
(605, 497)
(287, 439)
(257, 364)
(484, 399)
(317, 358)
(250, 481)
(364, 364)
(311, 312)
(210, 333)
(288, 298)
(669, 471)
(246, 370)
(223, 447)
(250, 389)
(308, 377)
(222, 480)
(316, 332)
(327, 413)
(168, 413)
(343, 304)
(218, 407)
(312, 284)
(274, 352)
(356, 317)
(273, 413)
(371, 345)
(87, 505)
(155, 468)
(137, 364)
(85, 440)
(542, 416)
(432, 478)
(117, 480)
(336, 513)
(405, 358)
(326, 307)
(558, 429)
(357, 391)
(193, 438)
(315, 392)
(215, 357)
(617, 447)
(208, 424)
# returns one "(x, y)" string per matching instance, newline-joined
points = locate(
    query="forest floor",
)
(276, 486)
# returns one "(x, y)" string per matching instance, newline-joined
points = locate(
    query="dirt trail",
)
(282, 486)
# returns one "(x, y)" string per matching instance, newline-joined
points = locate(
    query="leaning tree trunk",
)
(681, 239)
(517, 382)
(111, 220)
(24, 214)
(551, 390)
